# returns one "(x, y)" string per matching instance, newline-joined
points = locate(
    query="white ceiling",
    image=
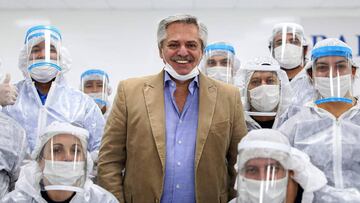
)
(174, 4)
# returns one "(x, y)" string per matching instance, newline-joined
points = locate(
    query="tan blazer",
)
(134, 140)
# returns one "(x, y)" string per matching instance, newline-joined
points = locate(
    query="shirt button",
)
(179, 163)
(177, 186)
(179, 142)
(180, 121)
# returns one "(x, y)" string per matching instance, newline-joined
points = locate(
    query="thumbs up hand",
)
(8, 92)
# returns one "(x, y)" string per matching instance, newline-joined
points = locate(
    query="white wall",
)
(123, 43)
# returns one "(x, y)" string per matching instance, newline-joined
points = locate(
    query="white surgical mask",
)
(323, 85)
(265, 98)
(251, 190)
(220, 73)
(193, 73)
(98, 98)
(291, 58)
(65, 173)
(42, 71)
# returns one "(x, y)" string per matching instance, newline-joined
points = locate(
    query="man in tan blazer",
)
(172, 137)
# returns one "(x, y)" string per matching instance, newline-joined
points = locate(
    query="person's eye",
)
(322, 68)
(192, 46)
(35, 50)
(278, 43)
(270, 81)
(255, 83)
(251, 170)
(57, 150)
(172, 45)
(211, 63)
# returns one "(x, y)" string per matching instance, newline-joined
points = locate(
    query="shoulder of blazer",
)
(132, 84)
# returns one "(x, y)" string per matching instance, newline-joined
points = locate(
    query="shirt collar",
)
(193, 84)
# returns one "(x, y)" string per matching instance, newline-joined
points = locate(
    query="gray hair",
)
(181, 18)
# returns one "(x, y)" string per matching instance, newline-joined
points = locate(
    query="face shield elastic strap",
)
(223, 47)
(94, 72)
(44, 64)
(331, 51)
(41, 27)
(37, 35)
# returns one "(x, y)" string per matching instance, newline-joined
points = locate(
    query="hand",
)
(8, 92)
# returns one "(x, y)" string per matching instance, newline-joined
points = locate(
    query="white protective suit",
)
(331, 143)
(286, 92)
(12, 152)
(333, 146)
(63, 103)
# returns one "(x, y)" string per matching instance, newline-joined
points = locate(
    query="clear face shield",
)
(333, 79)
(96, 84)
(263, 93)
(63, 163)
(332, 75)
(261, 179)
(219, 63)
(43, 46)
(287, 45)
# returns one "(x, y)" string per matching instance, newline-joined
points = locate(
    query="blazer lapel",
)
(207, 101)
(154, 100)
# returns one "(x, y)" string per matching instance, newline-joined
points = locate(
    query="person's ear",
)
(160, 53)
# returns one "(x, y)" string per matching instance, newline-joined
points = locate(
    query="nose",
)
(40, 54)
(69, 156)
(94, 89)
(183, 51)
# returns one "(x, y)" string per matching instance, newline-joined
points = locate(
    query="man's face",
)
(182, 47)
(290, 39)
(264, 169)
(331, 66)
(263, 78)
(40, 51)
(93, 86)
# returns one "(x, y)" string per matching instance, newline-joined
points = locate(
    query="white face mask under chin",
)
(265, 98)
(63, 172)
(322, 84)
(291, 58)
(193, 73)
(43, 73)
(250, 190)
(220, 73)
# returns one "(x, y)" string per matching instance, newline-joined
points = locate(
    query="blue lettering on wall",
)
(316, 38)
(342, 38)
